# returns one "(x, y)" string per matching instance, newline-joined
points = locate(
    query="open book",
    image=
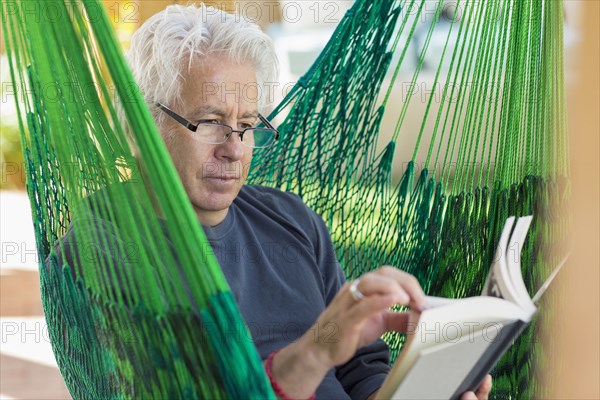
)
(454, 343)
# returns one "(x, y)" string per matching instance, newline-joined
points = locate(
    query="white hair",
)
(161, 47)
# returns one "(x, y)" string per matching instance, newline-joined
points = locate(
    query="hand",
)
(358, 323)
(482, 392)
(300, 367)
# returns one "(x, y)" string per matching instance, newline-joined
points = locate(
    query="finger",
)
(375, 284)
(485, 388)
(367, 307)
(344, 294)
(468, 396)
(396, 321)
(409, 284)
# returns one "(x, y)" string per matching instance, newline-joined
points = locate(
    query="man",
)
(200, 72)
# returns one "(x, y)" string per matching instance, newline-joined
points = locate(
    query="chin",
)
(215, 202)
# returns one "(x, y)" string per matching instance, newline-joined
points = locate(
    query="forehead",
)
(220, 83)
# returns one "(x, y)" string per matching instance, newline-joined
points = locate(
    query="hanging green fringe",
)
(123, 319)
(495, 146)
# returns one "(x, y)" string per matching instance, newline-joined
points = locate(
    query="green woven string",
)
(126, 318)
(486, 132)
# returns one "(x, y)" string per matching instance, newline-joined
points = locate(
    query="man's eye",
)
(210, 121)
(249, 124)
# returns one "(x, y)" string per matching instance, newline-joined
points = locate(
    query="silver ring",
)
(354, 292)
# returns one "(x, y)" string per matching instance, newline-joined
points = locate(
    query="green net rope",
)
(125, 324)
(491, 144)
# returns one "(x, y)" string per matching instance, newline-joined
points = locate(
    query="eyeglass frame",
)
(194, 128)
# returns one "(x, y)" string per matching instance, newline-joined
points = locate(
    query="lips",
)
(222, 177)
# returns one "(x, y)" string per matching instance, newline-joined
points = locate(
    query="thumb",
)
(468, 396)
(396, 321)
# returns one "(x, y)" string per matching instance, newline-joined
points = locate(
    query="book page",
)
(454, 359)
(434, 301)
(513, 263)
(449, 323)
(496, 284)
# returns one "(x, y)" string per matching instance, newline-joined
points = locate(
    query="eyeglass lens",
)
(217, 134)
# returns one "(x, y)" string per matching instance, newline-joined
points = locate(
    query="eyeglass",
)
(210, 133)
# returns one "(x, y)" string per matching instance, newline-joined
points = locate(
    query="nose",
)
(232, 149)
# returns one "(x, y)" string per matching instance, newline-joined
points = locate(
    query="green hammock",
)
(153, 318)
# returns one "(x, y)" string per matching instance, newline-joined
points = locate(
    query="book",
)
(453, 343)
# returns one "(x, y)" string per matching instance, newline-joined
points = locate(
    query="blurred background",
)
(300, 30)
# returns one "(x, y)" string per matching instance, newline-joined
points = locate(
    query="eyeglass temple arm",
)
(268, 125)
(178, 118)
(193, 127)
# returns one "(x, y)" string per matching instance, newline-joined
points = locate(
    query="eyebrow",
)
(250, 114)
(208, 110)
(212, 110)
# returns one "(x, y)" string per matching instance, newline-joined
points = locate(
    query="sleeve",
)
(366, 371)
(99, 254)
(91, 245)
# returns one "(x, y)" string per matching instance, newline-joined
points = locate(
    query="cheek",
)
(175, 151)
(246, 161)
(188, 155)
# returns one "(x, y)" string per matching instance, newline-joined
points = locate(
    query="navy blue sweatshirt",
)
(277, 256)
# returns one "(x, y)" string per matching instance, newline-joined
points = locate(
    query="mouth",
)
(222, 178)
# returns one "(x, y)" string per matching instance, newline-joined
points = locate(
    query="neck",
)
(211, 218)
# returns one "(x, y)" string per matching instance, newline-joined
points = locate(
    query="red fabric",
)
(276, 388)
